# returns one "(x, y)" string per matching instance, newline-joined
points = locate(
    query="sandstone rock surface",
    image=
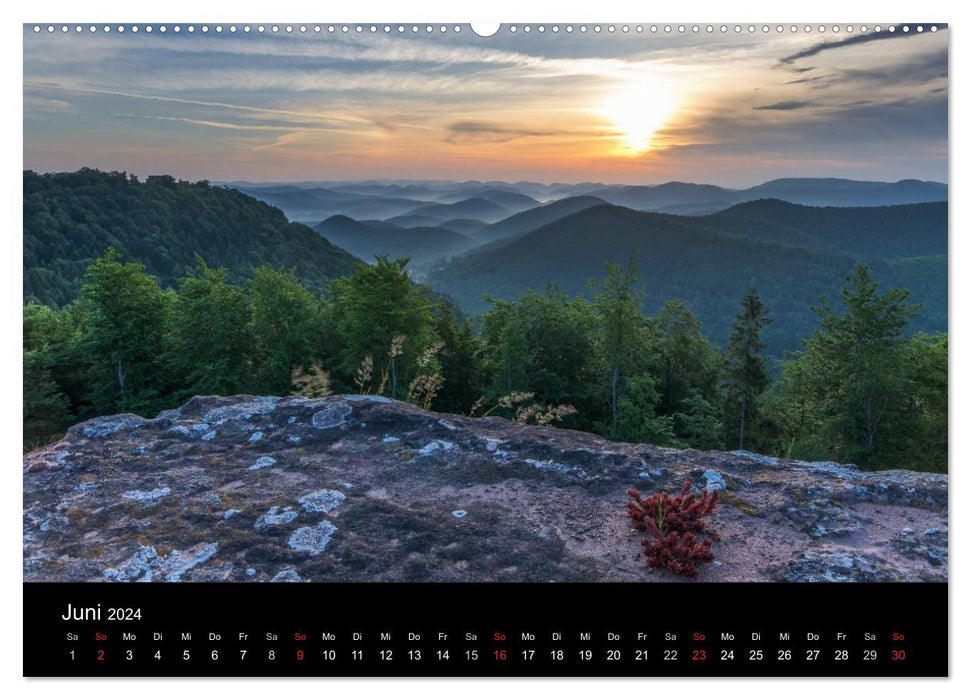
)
(358, 488)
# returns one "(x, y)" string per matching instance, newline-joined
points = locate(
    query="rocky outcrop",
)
(360, 488)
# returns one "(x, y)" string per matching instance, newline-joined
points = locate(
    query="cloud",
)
(813, 79)
(488, 132)
(785, 106)
(818, 48)
(225, 125)
(918, 69)
(201, 103)
(910, 118)
(484, 131)
(40, 104)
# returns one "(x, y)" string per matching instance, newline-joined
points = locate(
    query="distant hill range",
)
(383, 199)
(687, 198)
(318, 203)
(70, 219)
(506, 198)
(791, 253)
(473, 208)
(532, 219)
(376, 201)
(421, 244)
(466, 226)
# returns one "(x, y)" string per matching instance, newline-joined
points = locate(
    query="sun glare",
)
(638, 110)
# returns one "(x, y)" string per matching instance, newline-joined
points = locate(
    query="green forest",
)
(861, 389)
(72, 218)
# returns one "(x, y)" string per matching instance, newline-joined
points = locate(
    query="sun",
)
(638, 110)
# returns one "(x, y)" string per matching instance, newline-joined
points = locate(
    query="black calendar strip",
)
(485, 630)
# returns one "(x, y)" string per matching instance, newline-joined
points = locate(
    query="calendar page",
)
(485, 350)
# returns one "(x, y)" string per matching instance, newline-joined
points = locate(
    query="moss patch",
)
(731, 499)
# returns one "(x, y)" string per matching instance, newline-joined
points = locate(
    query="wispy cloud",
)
(810, 80)
(201, 103)
(853, 40)
(785, 106)
(482, 131)
(224, 125)
(42, 104)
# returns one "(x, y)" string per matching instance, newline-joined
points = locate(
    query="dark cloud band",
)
(785, 106)
(816, 49)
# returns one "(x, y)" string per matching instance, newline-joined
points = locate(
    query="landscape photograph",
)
(403, 303)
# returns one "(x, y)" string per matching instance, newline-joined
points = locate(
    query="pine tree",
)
(687, 368)
(924, 431)
(853, 390)
(745, 372)
(862, 351)
(45, 405)
(618, 310)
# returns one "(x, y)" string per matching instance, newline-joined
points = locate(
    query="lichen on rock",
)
(438, 498)
(274, 516)
(331, 416)
(839, 566)
(322, 501)
(313, 539)
(286, 576)
(262, 463)
(241, 410)
(816, 514)
(714, 481)
(152, 495)
(145, 564)
(107, 425)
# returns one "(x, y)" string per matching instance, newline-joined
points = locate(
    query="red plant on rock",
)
(676, 528)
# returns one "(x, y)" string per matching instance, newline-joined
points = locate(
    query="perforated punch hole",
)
(485, 29)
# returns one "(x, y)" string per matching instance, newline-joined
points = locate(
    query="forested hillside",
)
(532, 219)
(868, 233)
(708, 269)
(70, 219)
(792, 253)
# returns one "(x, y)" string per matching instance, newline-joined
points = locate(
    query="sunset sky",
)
(732, 109)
